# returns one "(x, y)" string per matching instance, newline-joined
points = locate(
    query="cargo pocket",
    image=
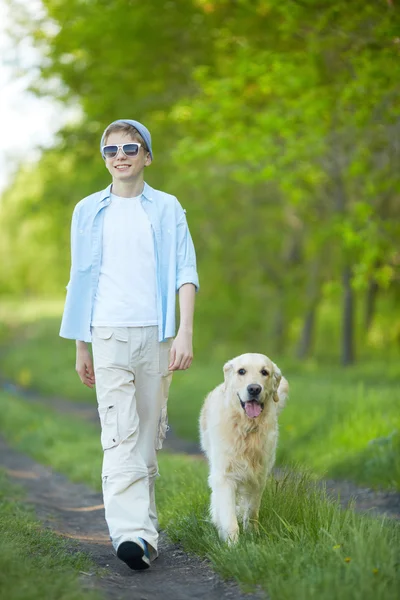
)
(102, 333)
(164, 349)
(163, 420)
(110, 344)
(162, 428)
(109, 427)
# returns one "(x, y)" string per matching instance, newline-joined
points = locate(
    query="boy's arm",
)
(182, 347)
(84, 364)
(185, 253)
(187, 282)
(84, 361)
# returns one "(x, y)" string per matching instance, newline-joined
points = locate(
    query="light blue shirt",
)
(174, 254)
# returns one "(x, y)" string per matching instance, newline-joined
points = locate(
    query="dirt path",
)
(89, 413)
(76, 512)
(366, 499)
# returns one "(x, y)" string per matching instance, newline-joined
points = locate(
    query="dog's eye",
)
(242, 371)
(265, 372)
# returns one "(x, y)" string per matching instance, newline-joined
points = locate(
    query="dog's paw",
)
(231, 536)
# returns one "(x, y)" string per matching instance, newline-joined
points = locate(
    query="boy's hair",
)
(128, 130)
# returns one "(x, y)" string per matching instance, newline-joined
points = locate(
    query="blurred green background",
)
(277, 127)
(276, 124)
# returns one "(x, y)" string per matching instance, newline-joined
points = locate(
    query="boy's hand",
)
(181, 354)
(84, 364)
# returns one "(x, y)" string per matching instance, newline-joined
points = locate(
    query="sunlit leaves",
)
(276, 125)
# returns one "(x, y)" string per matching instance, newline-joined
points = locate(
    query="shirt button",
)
(81, 231)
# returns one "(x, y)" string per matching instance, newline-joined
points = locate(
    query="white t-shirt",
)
(126, 292)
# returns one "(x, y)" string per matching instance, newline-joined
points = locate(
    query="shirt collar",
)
(105, 193)
(147, 193)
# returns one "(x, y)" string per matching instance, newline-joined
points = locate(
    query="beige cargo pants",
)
(132, 384)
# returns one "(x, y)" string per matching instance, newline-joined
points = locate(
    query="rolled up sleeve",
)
(186, 269)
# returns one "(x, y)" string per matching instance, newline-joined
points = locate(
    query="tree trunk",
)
(347, 318)
(339, 162)
(370, 303)
(307, 334)
(279, 329)
(312, 297)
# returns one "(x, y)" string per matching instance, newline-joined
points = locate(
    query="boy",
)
(131, 251)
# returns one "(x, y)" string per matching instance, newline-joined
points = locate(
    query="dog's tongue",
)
(252, 408)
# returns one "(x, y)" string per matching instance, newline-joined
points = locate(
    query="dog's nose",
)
(254, 389)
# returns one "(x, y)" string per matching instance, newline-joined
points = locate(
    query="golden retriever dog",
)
(239, 435)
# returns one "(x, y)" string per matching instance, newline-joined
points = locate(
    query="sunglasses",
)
(130, 149)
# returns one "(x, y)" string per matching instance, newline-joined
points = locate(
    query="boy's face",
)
(125, 168)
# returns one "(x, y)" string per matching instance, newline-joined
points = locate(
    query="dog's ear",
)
(228, 368)
(276, 379)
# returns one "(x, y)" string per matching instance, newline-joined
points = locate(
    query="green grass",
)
(34, 356)
(338, 422)
(35, 564)
(346, 430)
(307, 548)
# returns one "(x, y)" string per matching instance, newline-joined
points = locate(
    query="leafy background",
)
(277, 127)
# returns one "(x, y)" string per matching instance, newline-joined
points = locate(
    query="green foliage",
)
(276, 125)
(306, 547)
(337, 423)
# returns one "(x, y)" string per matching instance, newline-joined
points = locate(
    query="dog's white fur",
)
(241, 449)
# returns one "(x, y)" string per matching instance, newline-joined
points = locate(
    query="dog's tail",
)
(283, 393)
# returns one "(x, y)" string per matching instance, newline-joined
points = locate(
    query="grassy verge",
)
(34, 356)
(338, 422)
(35, 564)
(307, 547)
(343, 424)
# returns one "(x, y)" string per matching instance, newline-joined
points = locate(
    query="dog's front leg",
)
(223, 508)
(251, 502)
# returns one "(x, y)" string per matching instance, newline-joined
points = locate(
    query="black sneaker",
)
(135, 554)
